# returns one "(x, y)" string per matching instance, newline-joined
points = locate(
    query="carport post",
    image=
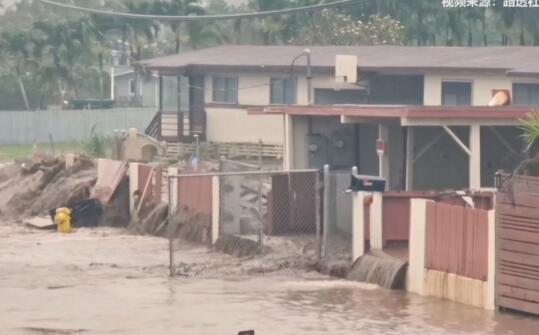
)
(172, 265)
(375, 219)
(409, 158)
(475, 157)
(383, 158)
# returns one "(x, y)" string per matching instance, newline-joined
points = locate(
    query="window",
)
(225, 89)
(525, 94)
(456, 93)
(283, 91)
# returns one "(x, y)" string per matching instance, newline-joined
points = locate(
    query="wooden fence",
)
(230, 150)
(457, 240)
(517, 223)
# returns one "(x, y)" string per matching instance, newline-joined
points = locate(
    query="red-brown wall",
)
(457, 240)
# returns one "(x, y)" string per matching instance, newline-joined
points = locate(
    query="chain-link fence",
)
(338, 222)
(247, 213)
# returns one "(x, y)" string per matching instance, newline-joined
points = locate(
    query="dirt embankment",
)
(30, 189)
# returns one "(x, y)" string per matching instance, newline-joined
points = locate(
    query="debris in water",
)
(55, 331)
(237, 246)
(40, 222)
(45, 185)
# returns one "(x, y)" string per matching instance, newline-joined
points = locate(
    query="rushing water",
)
(104, 282)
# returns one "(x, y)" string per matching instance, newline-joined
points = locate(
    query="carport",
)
(444, 147)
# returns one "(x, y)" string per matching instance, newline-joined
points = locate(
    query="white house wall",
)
(482, 85)
(235, 125)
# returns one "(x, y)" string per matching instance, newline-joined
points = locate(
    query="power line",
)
(341, 3)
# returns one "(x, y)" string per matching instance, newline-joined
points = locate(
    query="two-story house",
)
(418, 116)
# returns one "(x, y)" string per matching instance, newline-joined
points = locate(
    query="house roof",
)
(513, 60)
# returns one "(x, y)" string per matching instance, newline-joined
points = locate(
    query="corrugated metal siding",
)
(457, 240)
(396, 218)
(396, 210)
(195, 193)
(517, 224)
(25, 127)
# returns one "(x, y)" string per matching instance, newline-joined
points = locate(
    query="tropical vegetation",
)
(48, 55)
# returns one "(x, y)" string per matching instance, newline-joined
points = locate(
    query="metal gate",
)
(517, 245)
(294, 194)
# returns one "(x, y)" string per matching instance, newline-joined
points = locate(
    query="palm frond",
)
(530, 128)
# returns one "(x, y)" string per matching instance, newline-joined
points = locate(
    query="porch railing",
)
(154, 128)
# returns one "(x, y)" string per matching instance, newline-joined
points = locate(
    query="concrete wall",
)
(25, 127)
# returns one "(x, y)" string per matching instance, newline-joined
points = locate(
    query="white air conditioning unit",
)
(346, 69)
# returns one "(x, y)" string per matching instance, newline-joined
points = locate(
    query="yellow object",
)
(63, 220)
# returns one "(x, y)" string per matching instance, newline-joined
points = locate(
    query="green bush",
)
(96, 146)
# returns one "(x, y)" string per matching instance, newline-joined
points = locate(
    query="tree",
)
(182, 7)
(65, 43)
(16, 46)
(341, 29)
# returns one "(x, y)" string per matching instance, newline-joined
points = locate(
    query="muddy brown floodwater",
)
(105, 281)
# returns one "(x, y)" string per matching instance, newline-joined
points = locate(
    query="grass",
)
(10, 152)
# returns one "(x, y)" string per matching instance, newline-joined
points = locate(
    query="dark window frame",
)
(284, 101)
(224, 98)
(469, 99)
(529, 95)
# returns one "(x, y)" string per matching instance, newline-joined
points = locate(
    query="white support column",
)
(410, 158)
(112, 83)
(173, 188)
(383, 160)
(475, 157)
(375, 218)
(288, 159)
(215, 214)
(358, 226)
(415, 281)
(490, 295)
(133, 183)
